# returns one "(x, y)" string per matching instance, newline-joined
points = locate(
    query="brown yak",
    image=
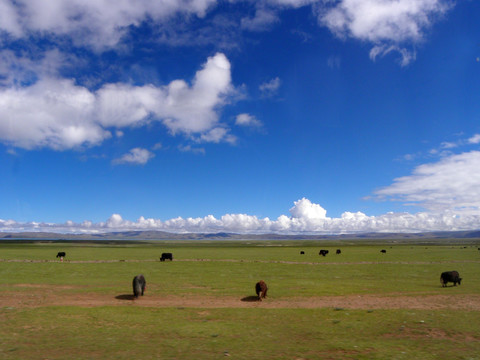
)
(261, 289)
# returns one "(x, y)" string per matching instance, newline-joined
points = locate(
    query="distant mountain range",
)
(161, 235)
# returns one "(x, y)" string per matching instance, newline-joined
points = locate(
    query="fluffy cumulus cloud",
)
(98, 23)
(385, 23)
(59, 114)
(181, 107)
(305, 218)
(305, 209)
(51, 113)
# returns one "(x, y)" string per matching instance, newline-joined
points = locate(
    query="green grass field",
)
(43, 315)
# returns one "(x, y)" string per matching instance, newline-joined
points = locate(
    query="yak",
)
(450, 276)
(61, 254)
(166, 256)
(323, 252)
(139, 285)
(261, 289)
(338, 251)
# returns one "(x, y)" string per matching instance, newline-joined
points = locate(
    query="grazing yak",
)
(166, 256)
(261, 289)
(338, 251)
(383, 251)
(302, 252)
(450, 276)
(323, 252)
(139, 285)
(61, 254)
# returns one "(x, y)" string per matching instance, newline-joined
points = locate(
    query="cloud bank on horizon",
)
(45, 104)
(305, 218)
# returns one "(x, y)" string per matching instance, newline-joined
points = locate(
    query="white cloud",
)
(101, 24)
(247, 120)
(475, 139)
(9, 18)
(59, 114)
(306, 218)
(136, 156)
(216, 135)
(50, 113)
(451, 184)
(181, 108)
(157, 146)
(305, 209)
(189, 148)
(387, 24)
(271, 87)
(264, 18)
(97, 23)
(407, 56)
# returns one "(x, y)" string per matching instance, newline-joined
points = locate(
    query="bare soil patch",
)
(43, 295)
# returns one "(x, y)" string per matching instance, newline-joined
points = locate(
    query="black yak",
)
(450, 276)
(61, 254)
(139, 285)
(261, 289)
(166, 256)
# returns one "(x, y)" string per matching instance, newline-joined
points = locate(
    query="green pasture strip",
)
(237, 278)
(240, 250)
(128, 332)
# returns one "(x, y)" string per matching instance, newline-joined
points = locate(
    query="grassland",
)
(358, 305)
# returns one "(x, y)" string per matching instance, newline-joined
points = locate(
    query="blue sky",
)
(286, 116)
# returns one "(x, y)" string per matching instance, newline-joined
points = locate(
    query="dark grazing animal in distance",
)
(166, 256)
(383, 251)
(450, 276)
(261, 289)
(139, 285)
(61, 254)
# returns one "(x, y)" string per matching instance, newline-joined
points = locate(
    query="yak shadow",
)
(252, 298)
(125, 297)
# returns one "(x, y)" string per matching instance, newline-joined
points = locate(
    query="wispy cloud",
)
(247, 120)
(446, 148)
(264, 18)
(189, 148)
(136, 156)
(475, 139)
(270, 88)
(451, 184)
